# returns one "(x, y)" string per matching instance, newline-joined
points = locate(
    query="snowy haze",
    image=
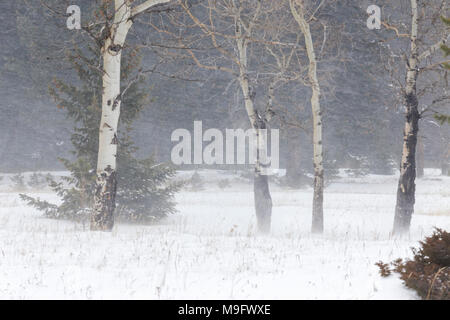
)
(211, 251)
(345, 140)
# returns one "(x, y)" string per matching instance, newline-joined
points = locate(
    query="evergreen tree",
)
(144, 192)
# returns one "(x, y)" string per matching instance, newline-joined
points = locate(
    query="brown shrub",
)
(429, 271)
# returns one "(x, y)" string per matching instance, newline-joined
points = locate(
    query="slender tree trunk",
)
(445, 171)
(294, 175)
(102, 217)
(445, 158)
(420, 158)
(406, 186)
(263, 202)
(297, 10)
(317, 221)
(262, 197)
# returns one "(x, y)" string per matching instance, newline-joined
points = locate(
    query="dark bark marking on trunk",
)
(115, 48)
(115, 140)
(102, 218)
(406, 190)
(116, 101)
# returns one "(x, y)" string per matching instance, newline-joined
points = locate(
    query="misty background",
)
(362, 116)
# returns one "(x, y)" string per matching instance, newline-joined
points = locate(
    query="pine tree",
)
(144, 190)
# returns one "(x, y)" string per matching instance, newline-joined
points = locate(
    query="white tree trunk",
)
(297, 10)
(420, 157)
(102, 217)
(445, 157)
(104, 201)
(262, 197)
(406, 186)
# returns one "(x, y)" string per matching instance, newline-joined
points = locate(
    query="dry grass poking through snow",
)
(209, 250)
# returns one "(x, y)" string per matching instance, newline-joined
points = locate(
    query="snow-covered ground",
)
(209, 250)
